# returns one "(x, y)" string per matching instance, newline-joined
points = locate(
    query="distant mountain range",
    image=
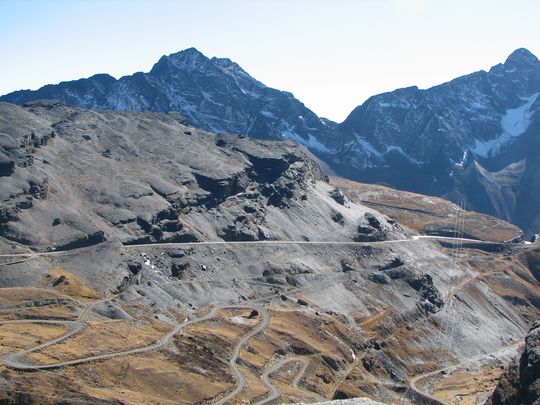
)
(474, 138)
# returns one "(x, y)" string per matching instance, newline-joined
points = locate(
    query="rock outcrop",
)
(520, 383)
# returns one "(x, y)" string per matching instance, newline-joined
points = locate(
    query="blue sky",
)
(331, 54)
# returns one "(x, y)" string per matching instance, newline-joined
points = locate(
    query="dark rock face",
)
(520, 384)
(338, 196)
(178, 253)
(424, 285)
(338, 217)
(134, 267)
(372, 230)
(445, 229)
(471, 138)
(394, 263)
(379, 278)
(213, 94)
(180, 270)
(7, 166)
(347, 265)
(282, 274)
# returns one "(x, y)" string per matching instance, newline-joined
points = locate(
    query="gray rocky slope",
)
(472, 138)
(71, 176)
(117, 184)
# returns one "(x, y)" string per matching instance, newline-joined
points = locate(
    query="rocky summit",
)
(143, 260)
(473, 138)
(214, 94)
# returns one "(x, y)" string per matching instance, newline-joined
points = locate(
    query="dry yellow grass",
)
(370, 325)
(154, 377)
(14, 337)
(68, 284)
(21, 295)
(60, 312)
(299, 327)
(254, 389)
(469, 388)
(417, 211)
(101, 337)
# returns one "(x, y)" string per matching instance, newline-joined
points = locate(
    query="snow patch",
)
(463, 159)
(268, 114)
(398, 103)
(513, 123)
(240, 320)
(477, 105)
(314, 143)
(393, 148)
(368, 147)
(208, 97)
(311, 142)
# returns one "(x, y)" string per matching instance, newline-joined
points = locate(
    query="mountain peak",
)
(188, 52)
(520, 57)
(233, 69)
(188, 58)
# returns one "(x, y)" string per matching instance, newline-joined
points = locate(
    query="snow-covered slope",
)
(513, 124)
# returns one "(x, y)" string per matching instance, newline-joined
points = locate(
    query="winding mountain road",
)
(241, 381)
(12, 359)
(424, 394)
(274, 391)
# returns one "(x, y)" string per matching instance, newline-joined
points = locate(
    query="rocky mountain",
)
(213, 94)
(473, 138)
(520, 383)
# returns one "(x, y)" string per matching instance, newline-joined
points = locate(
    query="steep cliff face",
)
(520, 384)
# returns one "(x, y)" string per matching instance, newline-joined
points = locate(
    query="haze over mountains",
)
(473, 138)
